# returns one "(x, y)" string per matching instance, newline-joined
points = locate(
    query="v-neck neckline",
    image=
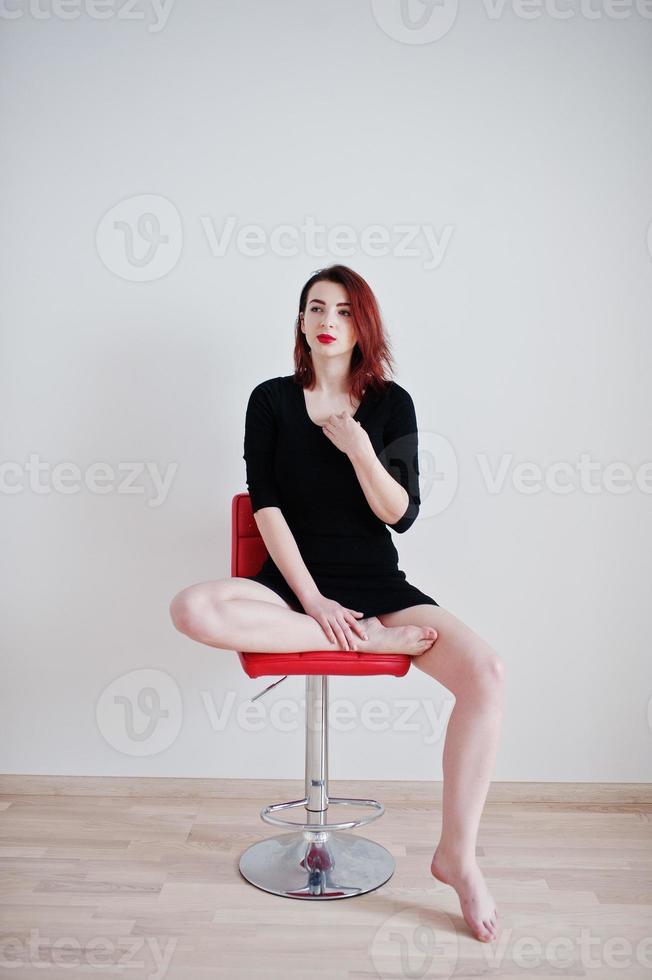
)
(316, 424)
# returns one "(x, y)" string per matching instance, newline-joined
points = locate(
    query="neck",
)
(331, 378)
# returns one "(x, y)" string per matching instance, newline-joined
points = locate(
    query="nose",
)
(328, 319)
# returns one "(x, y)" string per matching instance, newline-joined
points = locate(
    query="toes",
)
(480, 929)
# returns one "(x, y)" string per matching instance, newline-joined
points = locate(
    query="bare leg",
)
(473, 672)
(252, 625)
(469, 754)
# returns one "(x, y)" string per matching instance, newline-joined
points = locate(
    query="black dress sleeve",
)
(260, 446)
(400, 456)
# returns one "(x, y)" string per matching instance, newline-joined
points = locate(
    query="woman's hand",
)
(337, 621)
(346, 433)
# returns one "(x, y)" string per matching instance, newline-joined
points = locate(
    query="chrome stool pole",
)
(317, 861)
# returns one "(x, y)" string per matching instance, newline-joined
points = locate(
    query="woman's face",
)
(328, 311)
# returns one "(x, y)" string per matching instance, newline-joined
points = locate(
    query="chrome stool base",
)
(318, 859)
(296, 866)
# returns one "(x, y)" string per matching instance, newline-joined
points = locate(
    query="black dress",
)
(293, 465)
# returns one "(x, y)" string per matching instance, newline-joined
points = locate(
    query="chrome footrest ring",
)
(267, 814)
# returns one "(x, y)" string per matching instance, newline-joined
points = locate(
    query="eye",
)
(315, 309)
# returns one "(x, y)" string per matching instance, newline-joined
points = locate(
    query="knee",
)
(489, 672)
(188, 610)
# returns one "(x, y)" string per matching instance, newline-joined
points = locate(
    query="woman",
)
(320, 446)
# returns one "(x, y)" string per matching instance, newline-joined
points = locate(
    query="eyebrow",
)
(323, 303)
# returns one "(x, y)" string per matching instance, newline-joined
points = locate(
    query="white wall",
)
(523, 145)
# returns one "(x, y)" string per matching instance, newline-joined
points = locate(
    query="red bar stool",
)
(317, 860)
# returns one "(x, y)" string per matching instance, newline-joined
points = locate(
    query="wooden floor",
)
(112, 886)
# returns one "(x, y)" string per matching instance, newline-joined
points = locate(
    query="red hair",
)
(371, 357)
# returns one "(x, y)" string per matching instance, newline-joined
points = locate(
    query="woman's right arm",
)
(259, 451)
(284, 552)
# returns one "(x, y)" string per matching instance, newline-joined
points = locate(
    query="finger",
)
(360, 630)
(326, 626)
(340, 635)
(350, 638)
(350, 641)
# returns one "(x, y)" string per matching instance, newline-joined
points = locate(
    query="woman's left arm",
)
(394, 500)
(386, 497)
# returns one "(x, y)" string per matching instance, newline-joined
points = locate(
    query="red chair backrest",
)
(248, 551)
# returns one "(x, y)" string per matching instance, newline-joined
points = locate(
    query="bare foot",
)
(478, 907)
(412, 640)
